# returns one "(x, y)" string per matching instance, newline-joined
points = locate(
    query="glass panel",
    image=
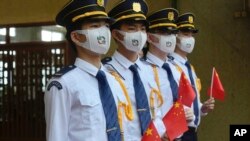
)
(38, 33)
(2, 35)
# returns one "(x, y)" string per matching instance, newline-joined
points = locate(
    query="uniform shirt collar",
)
(179, 58)
(154, 59)
(123, 61)
(87, 67)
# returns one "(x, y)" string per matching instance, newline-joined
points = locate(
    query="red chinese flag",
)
(186, 92)
(216, 89)
(175, 121)
(151, 133)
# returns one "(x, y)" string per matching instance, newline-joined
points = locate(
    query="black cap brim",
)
(115, 25)
(188, 29)
(107, 19)
(168, 29)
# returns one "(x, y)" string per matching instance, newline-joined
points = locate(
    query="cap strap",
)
(87, 14)
(130, 16)
(185, 25)
(162, 24)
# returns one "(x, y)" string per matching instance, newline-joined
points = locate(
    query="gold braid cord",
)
(128, 106)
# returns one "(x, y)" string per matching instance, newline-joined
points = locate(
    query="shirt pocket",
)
(91, 110)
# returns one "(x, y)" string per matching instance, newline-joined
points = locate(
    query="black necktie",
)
(173, 84)
(109, 108)
(196, 107)
(141, 100)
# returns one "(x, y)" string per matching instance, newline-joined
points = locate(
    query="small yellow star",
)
(149, 132)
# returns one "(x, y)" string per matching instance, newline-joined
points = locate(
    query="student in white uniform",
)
(81, 100)
(129, 33)
(185, 46)
(162, 41)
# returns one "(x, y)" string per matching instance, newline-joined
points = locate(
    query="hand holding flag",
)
(208, 105)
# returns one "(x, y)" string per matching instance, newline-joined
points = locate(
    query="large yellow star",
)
(177, 105)
(149, 132)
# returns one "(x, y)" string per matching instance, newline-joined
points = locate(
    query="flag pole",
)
(211, 86)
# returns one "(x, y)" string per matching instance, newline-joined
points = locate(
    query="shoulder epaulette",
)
(111, 69)
(143, 58)
(64, 70)
(106, 60)
(146, 61)
(170, 57)
(171, 61)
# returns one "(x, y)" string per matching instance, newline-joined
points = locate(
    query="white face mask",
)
(166, 42)
(97, 40)
(134, 41)
(186, 43)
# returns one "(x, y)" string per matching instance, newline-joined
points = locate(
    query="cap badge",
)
(136, 7)
(100, 2)
(171, 16)
(190, 19)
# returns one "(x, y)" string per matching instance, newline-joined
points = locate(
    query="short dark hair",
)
(186, 30)
(72, 27)
(118, 24)
(162, 29)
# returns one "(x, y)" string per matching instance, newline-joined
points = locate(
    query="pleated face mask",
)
(97, 40)
(133, 41)
(166, 43)
(186, 43)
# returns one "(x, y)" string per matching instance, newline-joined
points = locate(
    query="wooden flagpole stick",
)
(212, 82)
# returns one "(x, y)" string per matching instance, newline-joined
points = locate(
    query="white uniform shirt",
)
(180, 61)
(119, 63)
(165, 88)
(75, 112)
